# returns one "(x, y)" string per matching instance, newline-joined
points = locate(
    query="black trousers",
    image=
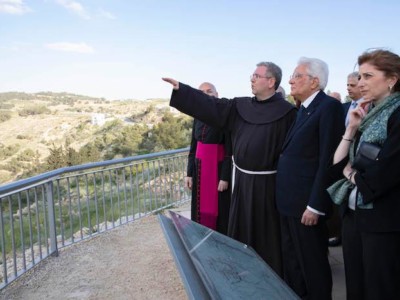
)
(334, 223)
(371, 260)
(305, 258)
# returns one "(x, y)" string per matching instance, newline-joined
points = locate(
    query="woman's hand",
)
(347, 170)
(173, 82)
(349, 173)
(359, 113)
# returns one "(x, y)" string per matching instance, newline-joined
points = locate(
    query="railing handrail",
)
(40, 214)
(6, 188)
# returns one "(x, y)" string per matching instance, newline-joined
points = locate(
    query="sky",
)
(120, 49)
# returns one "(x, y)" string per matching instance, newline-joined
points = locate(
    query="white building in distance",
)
(98, 119)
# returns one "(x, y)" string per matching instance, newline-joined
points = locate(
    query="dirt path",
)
(130, 262)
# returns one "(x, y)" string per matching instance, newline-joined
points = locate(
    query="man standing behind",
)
(258, 128)
(354, 94)
(335, 223)
(336, 95)
(302, 179)
(209, 172)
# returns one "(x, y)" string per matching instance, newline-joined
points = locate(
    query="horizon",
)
(81, 95)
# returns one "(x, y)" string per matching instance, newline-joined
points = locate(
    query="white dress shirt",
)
(353, 105)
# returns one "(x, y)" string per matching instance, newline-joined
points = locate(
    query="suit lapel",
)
(346, 107)
(307, 114)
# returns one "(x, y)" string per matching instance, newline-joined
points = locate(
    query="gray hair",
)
(281, 90)
(316, 68)
(353, 75)
(272, 70)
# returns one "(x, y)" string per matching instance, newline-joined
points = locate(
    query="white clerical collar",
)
(310, 99)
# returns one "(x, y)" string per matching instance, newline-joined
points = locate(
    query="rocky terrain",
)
(63, 117)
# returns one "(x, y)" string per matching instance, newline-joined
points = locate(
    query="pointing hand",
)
(173, 82)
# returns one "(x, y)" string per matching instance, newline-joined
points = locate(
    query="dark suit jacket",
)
(346, 107)
(307, 153)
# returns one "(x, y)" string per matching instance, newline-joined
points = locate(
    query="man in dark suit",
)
(354, 93)
(302, 179)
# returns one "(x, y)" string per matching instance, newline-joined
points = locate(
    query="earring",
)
(390, 88)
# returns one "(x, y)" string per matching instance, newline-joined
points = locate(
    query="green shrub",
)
(6, 106)
(34, 110)
(13, 166)
(7, 151)
(4, 116)
(26, 155)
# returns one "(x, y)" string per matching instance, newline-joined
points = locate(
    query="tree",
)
(56, 158)
(171, 133)
(128, 143)
(72, 157)
(89, 153)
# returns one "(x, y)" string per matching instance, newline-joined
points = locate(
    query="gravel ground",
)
(129, 262)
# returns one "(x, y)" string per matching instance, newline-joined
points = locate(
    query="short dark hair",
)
(272, 70)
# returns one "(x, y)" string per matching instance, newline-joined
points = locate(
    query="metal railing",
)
(41, 214)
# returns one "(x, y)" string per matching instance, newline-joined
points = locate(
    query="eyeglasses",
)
(257, 76)
(298, 75)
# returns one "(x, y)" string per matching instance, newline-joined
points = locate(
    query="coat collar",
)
(309, 111)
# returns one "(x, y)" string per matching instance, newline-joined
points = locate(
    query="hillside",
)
(34, 123)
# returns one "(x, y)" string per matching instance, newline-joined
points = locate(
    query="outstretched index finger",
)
(173, 82)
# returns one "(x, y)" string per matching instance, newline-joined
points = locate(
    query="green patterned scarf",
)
(373, 129)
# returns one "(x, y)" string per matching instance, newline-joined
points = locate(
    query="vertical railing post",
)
(3, 244)
(52, 218)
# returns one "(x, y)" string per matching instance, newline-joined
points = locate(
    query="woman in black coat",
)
(370, 190)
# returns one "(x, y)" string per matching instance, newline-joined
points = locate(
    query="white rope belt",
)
(235, 166)
(253, 172)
